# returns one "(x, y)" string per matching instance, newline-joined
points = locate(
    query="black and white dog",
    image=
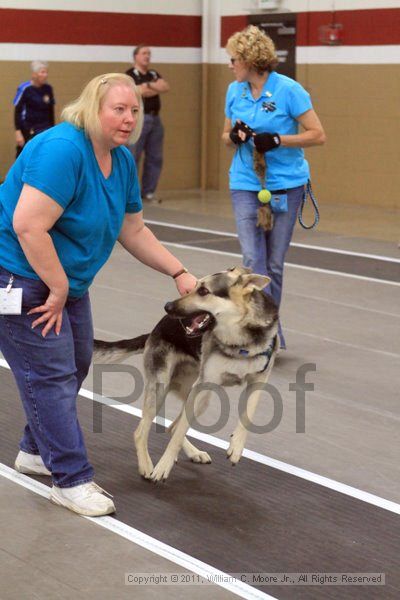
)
(223, 333)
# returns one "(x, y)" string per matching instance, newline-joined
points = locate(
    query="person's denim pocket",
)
(279, 203)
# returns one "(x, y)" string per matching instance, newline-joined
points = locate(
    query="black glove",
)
(234, 133)
(266, 141)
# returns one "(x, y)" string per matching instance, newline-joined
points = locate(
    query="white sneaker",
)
(30, 464)
(87, 499)
(151, 198)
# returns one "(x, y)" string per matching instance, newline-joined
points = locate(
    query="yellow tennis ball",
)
(264, 196)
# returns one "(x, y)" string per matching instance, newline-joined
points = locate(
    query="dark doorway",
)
(282, 29)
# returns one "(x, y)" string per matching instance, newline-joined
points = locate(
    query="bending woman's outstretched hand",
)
(185, 283)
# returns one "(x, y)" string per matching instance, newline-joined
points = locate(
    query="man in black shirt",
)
(151, 85)
(34, 105)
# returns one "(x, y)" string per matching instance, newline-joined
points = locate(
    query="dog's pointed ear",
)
(254, 282)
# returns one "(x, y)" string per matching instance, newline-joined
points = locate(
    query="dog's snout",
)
(169, 307)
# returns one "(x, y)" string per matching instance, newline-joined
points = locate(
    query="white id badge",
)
(10, 301)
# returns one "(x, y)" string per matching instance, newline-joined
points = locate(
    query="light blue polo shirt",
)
(61, 163)
(282, 100)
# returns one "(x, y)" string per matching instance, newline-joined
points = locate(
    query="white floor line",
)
(143, 540)
(344, 304)
(346, 252)
(288, 293)
(342, 274)
(260, 458)
(200, 249)
(255, 456)
(117, 290)
(317, 270)
(293, 244)
(379, 413)
(187, 228)
(367, 349)
(346, 344)
(161, 297)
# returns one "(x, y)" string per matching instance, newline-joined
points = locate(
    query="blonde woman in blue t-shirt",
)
(70, 195)
(263, 110)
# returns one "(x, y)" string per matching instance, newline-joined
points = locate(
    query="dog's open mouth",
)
(197, 324)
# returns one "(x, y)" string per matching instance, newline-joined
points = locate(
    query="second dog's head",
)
(226, 297)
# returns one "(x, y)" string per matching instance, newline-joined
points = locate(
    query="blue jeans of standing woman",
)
(49, 372)
(264, 251)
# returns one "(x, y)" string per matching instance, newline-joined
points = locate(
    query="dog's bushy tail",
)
(115, 352)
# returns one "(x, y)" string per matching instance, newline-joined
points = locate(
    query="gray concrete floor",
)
(48, 553)
(348, 327)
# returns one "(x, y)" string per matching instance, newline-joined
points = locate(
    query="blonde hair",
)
(84, 111)
(254, 47)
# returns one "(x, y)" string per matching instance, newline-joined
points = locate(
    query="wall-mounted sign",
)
(268, 4)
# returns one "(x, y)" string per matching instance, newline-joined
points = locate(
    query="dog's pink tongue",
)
(197, 320)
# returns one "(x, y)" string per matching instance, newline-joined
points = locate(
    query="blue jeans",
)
(151, 143)
(49, 372)
(264, 251)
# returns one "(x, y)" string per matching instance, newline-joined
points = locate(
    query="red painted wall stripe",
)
(360, 27)
(109, 29)
(231, 24)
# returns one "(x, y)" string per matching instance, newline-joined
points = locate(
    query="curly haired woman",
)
(263, 110)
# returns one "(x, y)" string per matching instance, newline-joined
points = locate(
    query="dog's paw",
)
(195, 455)
(145, 464)
(201, 457)
(162, 469)
(146, 470)
(236, 447)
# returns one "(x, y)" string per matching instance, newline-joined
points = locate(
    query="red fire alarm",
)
(331, 35)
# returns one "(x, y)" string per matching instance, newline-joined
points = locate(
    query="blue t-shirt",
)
(282, 100)
(61, 163)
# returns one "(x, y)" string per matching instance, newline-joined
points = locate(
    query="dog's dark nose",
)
(169, 307)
